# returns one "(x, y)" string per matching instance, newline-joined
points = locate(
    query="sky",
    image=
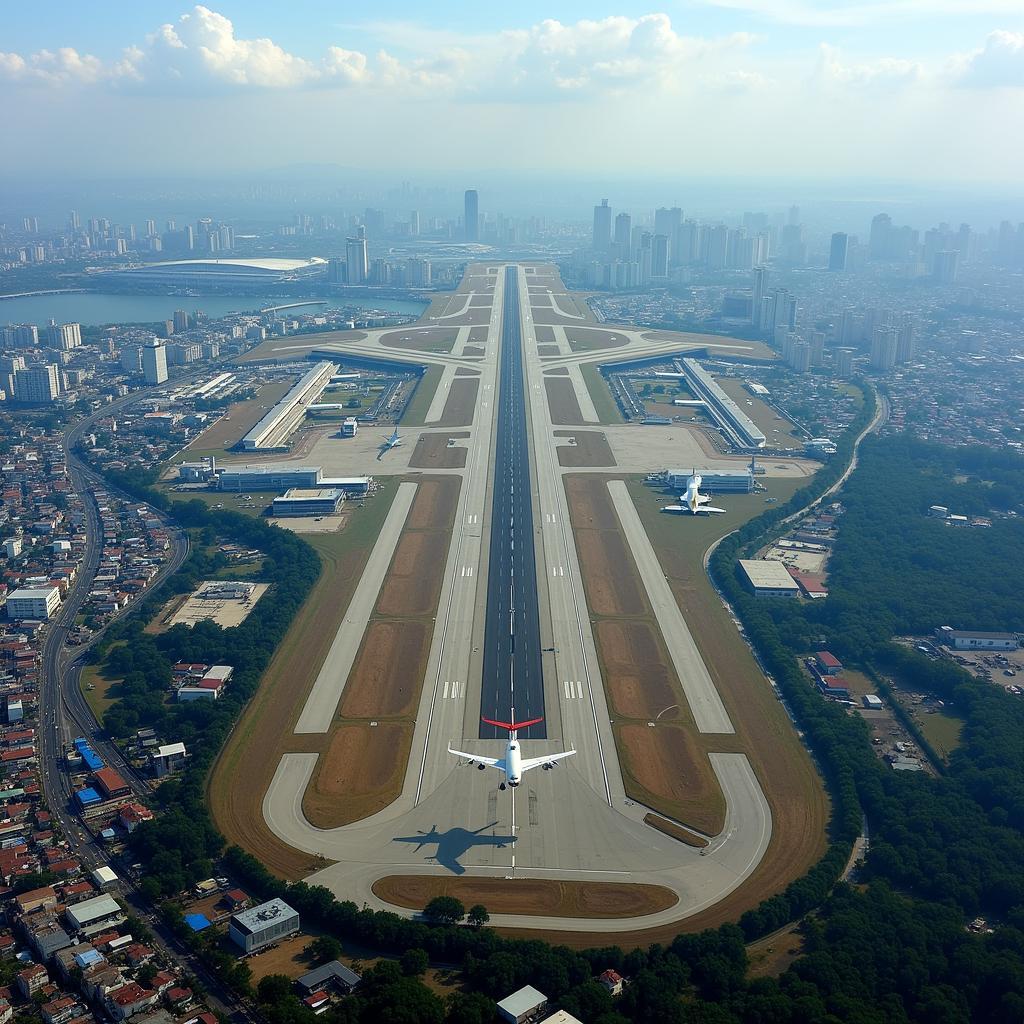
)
(928, 91)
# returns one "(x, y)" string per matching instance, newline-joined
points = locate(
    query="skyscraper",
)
(603, 226)
(38, 384)
(879, 242)
(946, 266)
(623, 226)
(471, 218)
(883, 348)
(64, 336)
(757, 306)
(180, 320)
(839, 251)
(659, 256)
(357, 264)
(154, 362)
(844, 362)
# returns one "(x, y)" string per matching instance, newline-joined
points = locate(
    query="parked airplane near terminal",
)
(693, 502)
(513, 765)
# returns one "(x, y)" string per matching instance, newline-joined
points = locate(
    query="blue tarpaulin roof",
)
(88, 796)
(197, 922)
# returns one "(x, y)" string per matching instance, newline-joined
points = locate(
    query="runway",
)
(512, 673)
(512, 620)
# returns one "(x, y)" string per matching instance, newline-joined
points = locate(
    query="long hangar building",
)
(233, 273)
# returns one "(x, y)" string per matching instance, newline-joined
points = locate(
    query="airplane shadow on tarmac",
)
(454, 843)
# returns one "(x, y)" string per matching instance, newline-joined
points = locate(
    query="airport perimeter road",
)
(322, 702)
(706, 705)
(512, 675)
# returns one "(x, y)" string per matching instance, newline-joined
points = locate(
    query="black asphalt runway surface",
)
(512, 675)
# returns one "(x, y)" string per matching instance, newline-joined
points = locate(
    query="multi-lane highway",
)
(512, 673)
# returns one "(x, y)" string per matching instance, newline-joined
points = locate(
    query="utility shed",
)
(522, 1005)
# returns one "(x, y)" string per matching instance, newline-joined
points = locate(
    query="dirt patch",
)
(639, 677)
(589, 339)
(548, 350)
(432, 452)
(461, 403)
(664, 767)
(591, 449)
(360, 774)
(609, 572)
(434, 505)
(410, 587)
(589, 503)
(670, 828)
(537, 897)
(473, 351)
(562, 401)
(544, 334)
(421, 339)
(385, 679)
(477, 335)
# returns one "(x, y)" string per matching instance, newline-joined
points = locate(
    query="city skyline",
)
(826, 90)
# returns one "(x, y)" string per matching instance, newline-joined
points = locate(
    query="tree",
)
(415, 962)
(324, 948)
(274, 988)
(444, 910)
(478, 915)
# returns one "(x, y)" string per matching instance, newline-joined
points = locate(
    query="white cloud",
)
(883, 72)
(999, 63)
(200, 51)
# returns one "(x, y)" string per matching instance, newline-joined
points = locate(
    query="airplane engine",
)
(481, 767)
(502, 787)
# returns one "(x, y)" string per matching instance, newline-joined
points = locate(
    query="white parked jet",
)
(513, 765)
(693, 502)
(394, 441)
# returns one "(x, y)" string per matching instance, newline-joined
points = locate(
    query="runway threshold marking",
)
(573, 689)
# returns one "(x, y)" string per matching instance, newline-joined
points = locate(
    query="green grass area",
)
(261, 500)
(97, 697)
(416, 410)
(239, 570)
(941, 729)
(606, 406)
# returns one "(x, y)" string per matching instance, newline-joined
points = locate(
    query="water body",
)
(91, 308)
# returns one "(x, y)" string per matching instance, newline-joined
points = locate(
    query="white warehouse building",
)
(234, 273)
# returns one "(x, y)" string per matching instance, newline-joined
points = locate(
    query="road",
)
(512, 674)
(64, 713)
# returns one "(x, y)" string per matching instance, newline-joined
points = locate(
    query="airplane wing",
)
(535, 762)
(491, 762)
(711, 508)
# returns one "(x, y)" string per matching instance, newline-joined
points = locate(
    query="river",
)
(92, 308)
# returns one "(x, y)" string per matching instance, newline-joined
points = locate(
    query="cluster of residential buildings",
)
(81, 963)
(42, 526)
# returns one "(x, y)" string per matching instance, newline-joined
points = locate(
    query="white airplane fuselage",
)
(513, 764)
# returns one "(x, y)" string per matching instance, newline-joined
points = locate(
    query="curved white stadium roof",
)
(272, 263)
